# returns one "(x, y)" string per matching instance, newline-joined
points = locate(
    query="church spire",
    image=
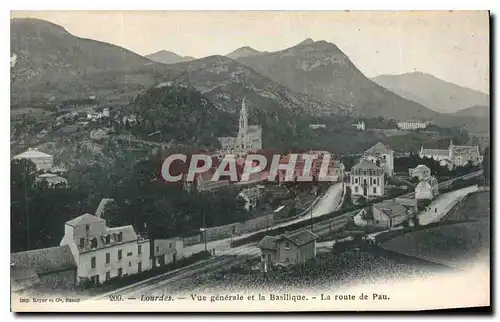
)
(243, 126)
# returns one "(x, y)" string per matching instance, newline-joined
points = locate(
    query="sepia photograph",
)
(250, 161)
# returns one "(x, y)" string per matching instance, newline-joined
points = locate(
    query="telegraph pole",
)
(28, 228)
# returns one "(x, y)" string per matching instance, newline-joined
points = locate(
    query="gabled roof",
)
(421, 167)
(268, 242)
(84, 219)
(435, 152)
(301, 237)
(391, 208)
(102, 205)
(365, 164)
(43, 260)
(32, 154)
(378, 148)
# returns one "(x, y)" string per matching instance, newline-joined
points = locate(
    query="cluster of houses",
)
(455, 155)
(91, 253)
(45, 168)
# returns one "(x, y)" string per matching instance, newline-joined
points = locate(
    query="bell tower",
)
(243, 125)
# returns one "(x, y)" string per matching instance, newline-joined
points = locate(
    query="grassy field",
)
(452, 244)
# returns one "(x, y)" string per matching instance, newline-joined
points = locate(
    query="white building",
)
(52, 179)
(427, 188)
(421, 171)
(105, 112)
(317, 126)
(360, 125)
(386, 214)
(382, 156)
(412, 125)
(367, 180)
(102, 253)
(249, 136)
(42, 161)
(455, 155)
(166, 251)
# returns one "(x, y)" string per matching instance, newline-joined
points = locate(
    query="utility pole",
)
(311, 218)
(28, 228)
(204, 228)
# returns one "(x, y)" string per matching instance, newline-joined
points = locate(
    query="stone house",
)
(427, 188)
(288, 249)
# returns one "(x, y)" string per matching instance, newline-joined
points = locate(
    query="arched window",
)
(87, 228)
(93, 243)
(108, 239)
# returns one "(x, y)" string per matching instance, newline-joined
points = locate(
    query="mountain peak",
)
(167, 57)
(307, 41)
(243, 52)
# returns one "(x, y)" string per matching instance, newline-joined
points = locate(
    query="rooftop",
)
(84, 219)
(365, 164)
(268, 242)
(440, 152)
(391, 208)
(32, 154)
(422, 167)
(43, 260)
(301, 237)
(378, 148)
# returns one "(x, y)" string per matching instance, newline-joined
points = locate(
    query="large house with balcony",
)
(102, 253)
(367, 180)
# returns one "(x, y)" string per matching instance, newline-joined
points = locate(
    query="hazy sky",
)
(453, 46)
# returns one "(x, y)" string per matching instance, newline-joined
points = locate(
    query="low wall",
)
(250, 225)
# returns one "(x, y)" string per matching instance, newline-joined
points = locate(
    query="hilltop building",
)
(42, 161)
(454, 156)
(382, 156)
(367, 180)
(412, 125)
(360, 125)
(102, 253)
(249, 137)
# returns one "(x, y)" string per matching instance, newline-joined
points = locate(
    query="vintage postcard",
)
(257, 161)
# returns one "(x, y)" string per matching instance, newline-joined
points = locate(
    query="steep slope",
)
(279, 111)
(243, 52)
(181, 113)
(50, 64)
(225, 82)
(322, 70)
(168, 57)
(432, 92)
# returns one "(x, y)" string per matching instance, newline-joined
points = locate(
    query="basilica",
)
(249, 138)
